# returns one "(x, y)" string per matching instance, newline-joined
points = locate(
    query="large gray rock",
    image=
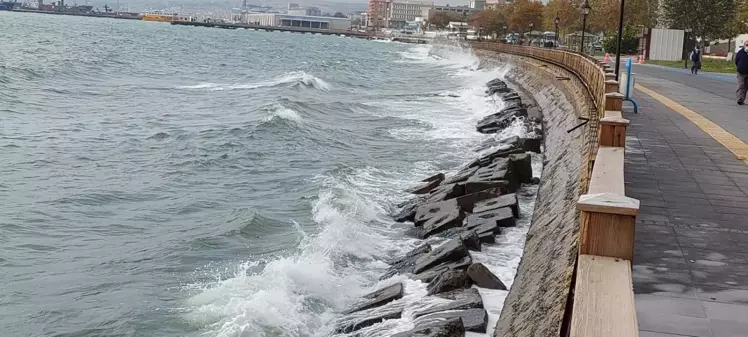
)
(462, 174)
(487, 237)
(532, 144)
(459, 300)
(407, 210)
(484, 278)
(502, 217)
(468, 201)
(436, 177)
(446, 328)
(438, 217)
(521, 167)
(471, 240)
(449, 280)
(500, 120)
(405, 264)
(482, 226)
(425, 187)
(475, 320)
(445, 192)
(498, 90)
(453, 250)
(477, 186)
(360, 320)
(379, 298)
(498, 170)
(508, 200)
(431, 273)
(496, 82)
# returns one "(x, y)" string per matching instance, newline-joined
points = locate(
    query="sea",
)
(160, 180)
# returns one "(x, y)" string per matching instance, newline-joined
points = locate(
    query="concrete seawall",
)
(537, 301)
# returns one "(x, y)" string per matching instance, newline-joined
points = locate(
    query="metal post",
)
(555, 37)
(620, 36)
(585, 12)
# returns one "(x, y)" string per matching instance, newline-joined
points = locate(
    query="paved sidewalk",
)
(691, 248)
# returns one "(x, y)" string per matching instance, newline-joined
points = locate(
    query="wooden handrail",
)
(603, 298)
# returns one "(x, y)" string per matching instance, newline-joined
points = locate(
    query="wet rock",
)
(449, 280)
(445, 192)
(438, 217)
(484, 278)
(379, 298)
(535, 180)
(431, 273)
(437, 177)
(468, 201)
(482, 226)
(405, 264)
(446, 328)
(496, 82)
(407, 210)
(452, 250)
(487, 237)
(475, 320)
(460, 299)
(365, 319)
(471, 240)
(462, 174)
(496, 122)
(501, 217)
(532, 144)
(498, 90)
(508, 200)
(521, 167)
(477, 186)
(498, 170)
(502, 152)
(425, 187)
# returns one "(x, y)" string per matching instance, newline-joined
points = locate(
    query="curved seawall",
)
(538, 298)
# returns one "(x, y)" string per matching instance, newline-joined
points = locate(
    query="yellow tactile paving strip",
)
(728, 140)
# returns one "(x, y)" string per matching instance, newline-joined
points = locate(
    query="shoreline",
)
(466, 210)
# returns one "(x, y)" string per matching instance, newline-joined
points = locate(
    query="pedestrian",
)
(695, 58)
(741, 63)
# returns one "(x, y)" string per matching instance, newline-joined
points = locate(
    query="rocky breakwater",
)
(467, 209)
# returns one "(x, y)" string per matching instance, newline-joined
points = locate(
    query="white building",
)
(297, 21)
(400, 12)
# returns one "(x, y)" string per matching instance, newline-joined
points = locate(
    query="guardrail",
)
(602, 293)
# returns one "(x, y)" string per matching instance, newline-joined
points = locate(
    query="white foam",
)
(300, 293)
(294, 78)
(279, 111)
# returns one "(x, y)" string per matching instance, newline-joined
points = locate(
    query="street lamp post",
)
(530, 32)
(620, 36)
(555, 37)
(585, 12)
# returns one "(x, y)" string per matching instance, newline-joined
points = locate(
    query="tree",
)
(490, 21)
(568, 12)
(707, 19)
(441, 19)
(338, 15)
(521, 14)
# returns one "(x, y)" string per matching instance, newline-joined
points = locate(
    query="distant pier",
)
(303, 30)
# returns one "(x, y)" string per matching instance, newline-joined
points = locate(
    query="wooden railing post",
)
(608, 225)
(613, 101)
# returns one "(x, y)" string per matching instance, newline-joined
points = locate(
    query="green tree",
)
(522, 14)
(708, 19)
(441, 19)
(490, 21)
(338, 15)
(569, 15)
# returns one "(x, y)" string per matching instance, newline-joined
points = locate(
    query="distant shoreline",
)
(95, 15)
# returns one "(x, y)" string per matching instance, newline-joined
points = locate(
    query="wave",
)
(279, 112)
(302, 291)
(290, 79)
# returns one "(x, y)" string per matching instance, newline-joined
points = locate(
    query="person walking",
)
(741, 63)
(695, 58)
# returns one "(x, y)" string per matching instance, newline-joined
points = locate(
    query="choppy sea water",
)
(178, 181)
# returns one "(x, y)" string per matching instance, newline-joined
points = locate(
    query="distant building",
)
(488, 4)
(310, 11)
(477, 4)
(465, 11)
(401, 12)
(301, 21)
(377, 14)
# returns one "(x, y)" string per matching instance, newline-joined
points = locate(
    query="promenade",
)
(686, 161)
